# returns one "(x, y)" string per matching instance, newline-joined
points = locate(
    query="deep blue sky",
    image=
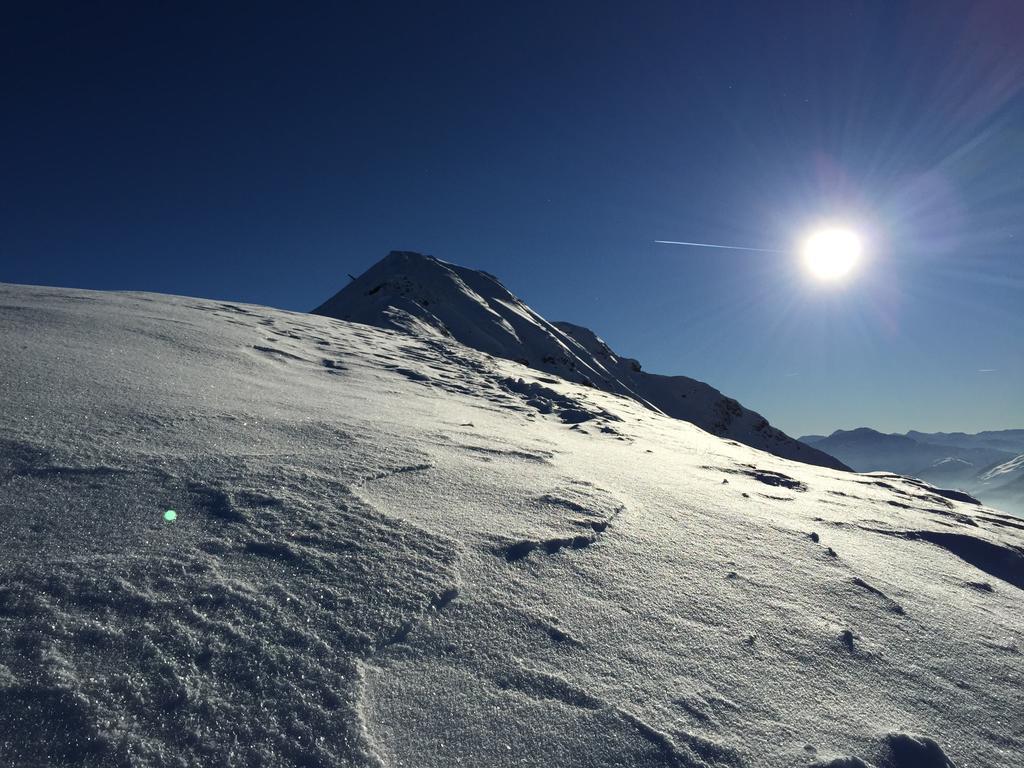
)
(259, 153)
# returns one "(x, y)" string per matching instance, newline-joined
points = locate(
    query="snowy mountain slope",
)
(397, 551)
(434, 299)
(981, 464)
(1007, 470)
(1003, 485)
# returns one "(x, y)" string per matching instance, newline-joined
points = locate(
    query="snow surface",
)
(432, 298)
(398, 551)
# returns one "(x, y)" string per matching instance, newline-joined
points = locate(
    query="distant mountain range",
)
(427, 297)
(989, 465)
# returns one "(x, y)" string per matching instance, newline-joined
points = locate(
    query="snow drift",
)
(398, 551)
(428, 297)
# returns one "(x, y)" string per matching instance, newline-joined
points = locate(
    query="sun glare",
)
(830, 254)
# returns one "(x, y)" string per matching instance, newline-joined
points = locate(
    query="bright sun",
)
(830, 254)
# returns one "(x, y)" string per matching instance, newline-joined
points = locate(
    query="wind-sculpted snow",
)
(429, 298)
(124, 643)
(394, 550)
(898, 750)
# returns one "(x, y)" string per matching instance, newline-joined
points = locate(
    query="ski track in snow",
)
(392, 551)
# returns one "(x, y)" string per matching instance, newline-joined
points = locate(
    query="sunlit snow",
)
(394, 550)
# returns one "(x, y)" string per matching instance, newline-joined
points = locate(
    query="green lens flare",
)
(170, 515)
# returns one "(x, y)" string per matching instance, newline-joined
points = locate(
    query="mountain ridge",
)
(425, 296)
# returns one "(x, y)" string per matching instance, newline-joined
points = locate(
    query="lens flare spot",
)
(170, 515)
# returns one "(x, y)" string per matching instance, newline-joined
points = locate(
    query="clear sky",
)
(259, 153)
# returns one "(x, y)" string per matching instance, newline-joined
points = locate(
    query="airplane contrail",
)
(711, 245)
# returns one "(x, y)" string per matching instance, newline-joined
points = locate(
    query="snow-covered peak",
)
(425, 296)
(410, 292)
(952, 461)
